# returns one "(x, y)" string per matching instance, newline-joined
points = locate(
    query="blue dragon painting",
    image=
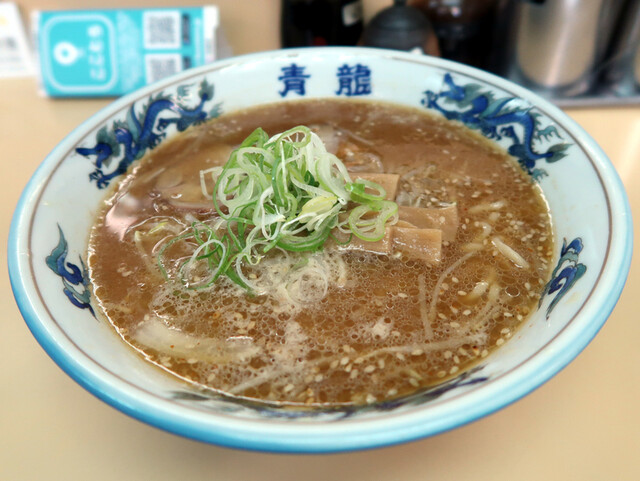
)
(129, 140)
(566, 273)
(74, 279)
(478, 109)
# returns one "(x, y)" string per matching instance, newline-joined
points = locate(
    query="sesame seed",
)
(466, 312)
(392, 392)
(500, 342)
(505, 330)
(456, 359)
(463, 351)
(288, 388)
(441, 374)
(334, 364)
(369, 369)
(371, 398)
(454, 370)
(381, 363)
(455, 324)
(344, 360)
(484, 353)
(447, 354)
(349, 368)
(417, 352)
(359, 360)
(318, 378)
(354, 374)
(414, 382)
(462, 293)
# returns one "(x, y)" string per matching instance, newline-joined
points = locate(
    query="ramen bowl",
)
(49, 232)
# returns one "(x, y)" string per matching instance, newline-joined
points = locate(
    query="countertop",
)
(584, 424)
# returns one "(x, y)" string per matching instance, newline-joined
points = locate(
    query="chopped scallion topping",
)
(283, 192)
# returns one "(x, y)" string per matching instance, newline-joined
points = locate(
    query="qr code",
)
(161, 29)
(159, 66)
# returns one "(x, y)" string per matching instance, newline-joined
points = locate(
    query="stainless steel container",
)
(621, 75)
(559, 43)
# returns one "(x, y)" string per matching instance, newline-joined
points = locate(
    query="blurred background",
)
(582, 54)
(576, 52)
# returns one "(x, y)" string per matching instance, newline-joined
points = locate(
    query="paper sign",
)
(15, 56)
(112, 52)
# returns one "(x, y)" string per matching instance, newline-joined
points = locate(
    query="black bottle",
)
(307, 23)
(400, 27)
(465, 28)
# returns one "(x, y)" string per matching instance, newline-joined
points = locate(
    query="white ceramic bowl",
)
(592, 223)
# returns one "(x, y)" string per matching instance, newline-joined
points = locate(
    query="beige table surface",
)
(584, 424)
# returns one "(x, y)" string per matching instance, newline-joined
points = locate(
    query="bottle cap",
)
(399, 27)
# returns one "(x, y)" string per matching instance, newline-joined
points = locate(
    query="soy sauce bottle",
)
(306, 23)
(401, 27)
(465, 28)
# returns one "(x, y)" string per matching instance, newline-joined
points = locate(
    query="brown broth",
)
(366, 340)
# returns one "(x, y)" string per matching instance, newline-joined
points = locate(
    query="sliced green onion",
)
(372, 227)
(359, 194)
(284, 191)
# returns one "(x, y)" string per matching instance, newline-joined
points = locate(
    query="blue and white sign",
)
(111, 52)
